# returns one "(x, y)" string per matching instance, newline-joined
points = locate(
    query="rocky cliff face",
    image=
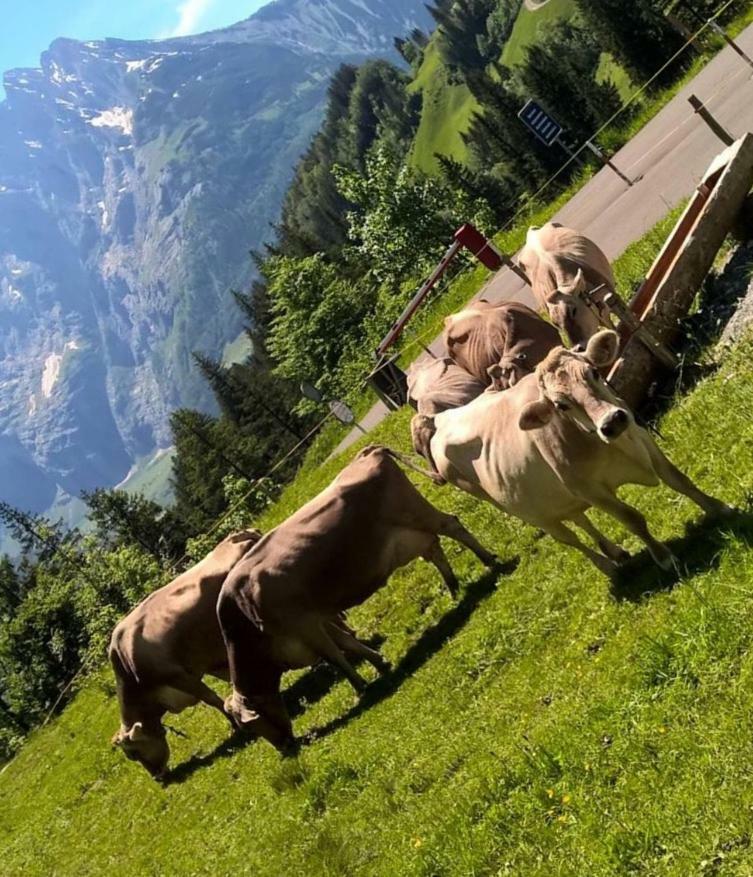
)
(134, 179)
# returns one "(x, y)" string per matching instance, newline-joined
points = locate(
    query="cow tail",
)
(423, 449)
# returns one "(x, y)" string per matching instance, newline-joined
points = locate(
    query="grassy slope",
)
(447, 108)
(540, 727)
(445, 114)
(151, 477)
(527, 26)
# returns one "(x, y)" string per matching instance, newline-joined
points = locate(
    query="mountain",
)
(135, 177)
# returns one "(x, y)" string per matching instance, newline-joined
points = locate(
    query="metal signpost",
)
(549, 131)
(337, 407)
(544, 127)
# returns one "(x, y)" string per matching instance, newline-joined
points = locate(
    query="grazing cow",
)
(557, 444)
(563, 265)
(164, 647)
(498, 343)
(276, 606)
(433, 387)
(438, 384)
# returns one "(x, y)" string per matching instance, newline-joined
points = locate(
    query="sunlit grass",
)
(543, 725)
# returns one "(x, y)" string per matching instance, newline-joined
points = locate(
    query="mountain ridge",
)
(135, 176)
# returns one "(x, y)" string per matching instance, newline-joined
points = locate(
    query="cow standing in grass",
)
(276, 607)
(498, 343)
(489, 347)
(164, 647)
(563, 266)
(557, 444)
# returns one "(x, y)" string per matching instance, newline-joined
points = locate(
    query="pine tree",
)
(10, 588)
(462, 36)
(560, 73)
(479, 185)
(499, 143)
(120, 518)
(637, 34)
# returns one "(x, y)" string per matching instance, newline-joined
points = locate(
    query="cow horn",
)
(578, 285)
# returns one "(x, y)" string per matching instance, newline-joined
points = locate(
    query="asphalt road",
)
(667, 157)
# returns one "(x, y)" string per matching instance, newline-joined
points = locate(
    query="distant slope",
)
(135, 176)
(445, 114)
(528, 24)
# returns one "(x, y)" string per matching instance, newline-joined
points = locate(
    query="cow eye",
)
(521, 357)
(561, 406)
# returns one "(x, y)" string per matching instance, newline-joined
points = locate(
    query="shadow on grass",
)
(697, 551)
(700, 331)
(315, 684)
(427, 645)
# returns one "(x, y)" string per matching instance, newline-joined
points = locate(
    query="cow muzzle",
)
(613, 424)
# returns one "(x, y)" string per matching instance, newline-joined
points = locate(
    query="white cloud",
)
(190, 14)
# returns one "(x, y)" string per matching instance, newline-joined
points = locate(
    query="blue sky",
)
(29, 26)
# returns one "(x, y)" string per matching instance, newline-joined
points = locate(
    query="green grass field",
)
(447, 108)
(545, 724)
(445, 114)
(528, 24)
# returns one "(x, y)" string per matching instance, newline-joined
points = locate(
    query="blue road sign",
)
(540, 122)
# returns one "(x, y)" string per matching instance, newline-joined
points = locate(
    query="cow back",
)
(475, 337)
(440, 384)
(554, 254)
(177, 624)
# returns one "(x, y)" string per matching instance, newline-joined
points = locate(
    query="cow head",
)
(509, 370)
(148, 747)
(571, 310)
(571, 387)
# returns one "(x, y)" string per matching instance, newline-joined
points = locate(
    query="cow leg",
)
(608, 548)
(679, 481)
(256, 703)
(435, 554)
(189, 684)
(321, 642)
(352, 645)
(450, 526)
(636, 523)
(565, 535)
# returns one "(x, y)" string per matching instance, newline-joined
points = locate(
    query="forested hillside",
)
(134, 178)
(405, 153)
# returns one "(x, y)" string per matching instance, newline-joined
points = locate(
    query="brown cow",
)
(332, 554)
(163, 648)
(563, 265)
(498, 343)
(557, 444)
(438, 384)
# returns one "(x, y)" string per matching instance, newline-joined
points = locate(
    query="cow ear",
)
(536, 414)
(602, 348)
